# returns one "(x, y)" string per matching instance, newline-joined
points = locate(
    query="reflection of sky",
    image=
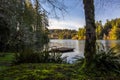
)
(79, 46)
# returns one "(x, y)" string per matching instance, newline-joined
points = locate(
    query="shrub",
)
(104, 60)
(29, 56)
(107, 60)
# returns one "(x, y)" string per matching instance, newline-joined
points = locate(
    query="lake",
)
(79, 46)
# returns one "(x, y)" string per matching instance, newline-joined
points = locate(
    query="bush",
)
(104, 61)
(29, 56)
(107, 60)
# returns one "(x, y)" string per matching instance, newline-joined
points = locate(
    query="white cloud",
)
(65, 24)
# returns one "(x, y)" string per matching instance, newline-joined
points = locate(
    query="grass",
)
(6, 60)
(7, 57)
(41, 71)
(36, 71)
(49, 71)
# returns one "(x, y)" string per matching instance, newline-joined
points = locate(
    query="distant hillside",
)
(62, 33)
(110, 30)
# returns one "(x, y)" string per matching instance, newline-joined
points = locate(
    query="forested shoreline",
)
(109, 31)
(62, 33)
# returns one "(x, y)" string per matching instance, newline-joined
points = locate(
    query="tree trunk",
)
(90, 42)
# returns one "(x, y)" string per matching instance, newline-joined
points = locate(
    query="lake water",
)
(78, 46)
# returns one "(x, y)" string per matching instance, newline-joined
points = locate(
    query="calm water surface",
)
(79, 46)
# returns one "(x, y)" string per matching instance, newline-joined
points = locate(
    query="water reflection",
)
(114, 43)
(79, 46)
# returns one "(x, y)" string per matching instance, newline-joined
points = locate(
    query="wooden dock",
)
(63, 49)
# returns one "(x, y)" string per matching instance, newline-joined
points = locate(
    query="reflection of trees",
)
(117, 48)
(103, 45)
(115, 44)
(81, 46)
(112, 44)
(107, 44)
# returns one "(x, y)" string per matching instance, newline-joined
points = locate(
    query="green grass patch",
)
(50, 71)
(6, 60)
(7, 57)
(39, 72)
(3, 67)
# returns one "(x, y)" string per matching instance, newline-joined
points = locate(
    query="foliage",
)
(112, 29)
(99, 29)
(105, 61)
(81, 33)
(45, 56)
(50, 71)
(105, 65)
(4, 34)
(23, 24)
(62, 34)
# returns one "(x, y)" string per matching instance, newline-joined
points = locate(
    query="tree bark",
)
(90, 42)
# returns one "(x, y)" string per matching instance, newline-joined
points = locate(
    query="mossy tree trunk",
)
(90, 42)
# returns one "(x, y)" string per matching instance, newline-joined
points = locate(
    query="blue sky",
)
(74, 18)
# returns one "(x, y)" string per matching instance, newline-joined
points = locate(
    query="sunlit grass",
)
(49, 71)
(39, 71)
